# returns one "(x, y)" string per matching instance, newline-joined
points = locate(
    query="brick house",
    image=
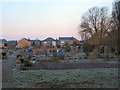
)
(68, 40)
(35, 42)
(2, 42)
(12, 43)
(23, 43)
(49, 42)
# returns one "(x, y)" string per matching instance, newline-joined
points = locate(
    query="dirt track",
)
(7, 67)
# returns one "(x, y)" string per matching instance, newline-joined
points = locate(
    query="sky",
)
(46, 18)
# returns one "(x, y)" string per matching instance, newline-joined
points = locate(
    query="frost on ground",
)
(71, 78)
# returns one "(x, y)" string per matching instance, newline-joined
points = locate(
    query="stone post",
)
(81, 49)
(106, 53)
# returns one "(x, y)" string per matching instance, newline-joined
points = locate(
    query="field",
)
(83, 73)
(71, 78)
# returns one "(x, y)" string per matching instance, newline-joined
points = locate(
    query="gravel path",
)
(7, 68)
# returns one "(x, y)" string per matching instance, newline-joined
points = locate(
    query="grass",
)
(106, 78)
(72, 53)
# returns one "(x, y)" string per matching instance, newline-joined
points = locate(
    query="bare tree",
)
(113, 35)
(95, 21)
(116, 15)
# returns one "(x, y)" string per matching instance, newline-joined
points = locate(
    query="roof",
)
(49, 39)
(34, 40)
(23, 39)
(3, 40)
(65, 38)
(12, 41)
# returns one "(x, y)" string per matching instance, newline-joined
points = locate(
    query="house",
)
(35, 42)
(49, 42)
(81, 42)
(23, 43)
(12, 43)
(68, 40)
(3, 42)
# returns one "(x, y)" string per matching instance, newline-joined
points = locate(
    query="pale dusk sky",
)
(46, 18)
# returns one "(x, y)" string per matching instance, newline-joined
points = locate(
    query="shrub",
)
(88, 47)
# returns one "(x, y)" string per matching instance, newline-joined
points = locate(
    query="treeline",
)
(99, 27)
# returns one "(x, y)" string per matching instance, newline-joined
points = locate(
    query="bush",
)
(88, 47)
(26, 63)
(67, 48)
